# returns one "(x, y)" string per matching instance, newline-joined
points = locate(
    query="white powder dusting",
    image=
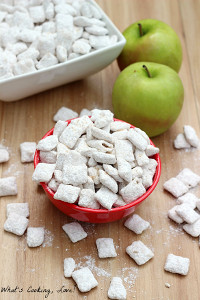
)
(30, 270)
(129, 275)
(48, 238)
(89, 262)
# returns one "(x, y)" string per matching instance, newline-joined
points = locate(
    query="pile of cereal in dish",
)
(38, 34)
(96, 162)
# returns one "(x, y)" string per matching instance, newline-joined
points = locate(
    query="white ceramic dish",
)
(22, 86)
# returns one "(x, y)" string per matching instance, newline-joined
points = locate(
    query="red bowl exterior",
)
(97, 215)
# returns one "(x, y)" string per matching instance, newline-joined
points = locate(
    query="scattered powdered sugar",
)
(48, 238)
(89, 262)
(90, 228)
(129, 275)
(30, 270)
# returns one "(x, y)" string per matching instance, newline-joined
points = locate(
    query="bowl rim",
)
(103, 211)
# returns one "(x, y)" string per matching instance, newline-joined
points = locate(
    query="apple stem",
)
(140, 29)
(147, 70)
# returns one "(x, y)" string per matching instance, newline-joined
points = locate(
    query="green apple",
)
(151, 40)
(149, 96)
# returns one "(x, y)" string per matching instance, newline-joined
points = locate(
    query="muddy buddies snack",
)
(41, 35)
(188, 139)
(93, 168)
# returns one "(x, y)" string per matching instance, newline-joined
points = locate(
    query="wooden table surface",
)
(29, 119)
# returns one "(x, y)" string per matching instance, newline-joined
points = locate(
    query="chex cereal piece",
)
(147, 179)
(108, 181)
(67, 193)
(35, 236)
(101, 118)
(87, 199)
(137, 139)
(92, 162)
(177, 264)
(85, 112)
(118, 125)
(24, 66)
(119, 202)
(89, 184)
(141, 157)
(139, 252)
(106, 197)
(120, 135)
(48, 157)
(110, 170)
(58, 174)
(93, 172)
(124, 169)
(172, 214)
(188, 214)
(124, 149)
(43, 172)
(100, 145)
(188, 198)
(136, 224)
(8, 186)
(193, 229)
(64, 114)
(191, 136)
(21, 209)
(116, 289)
(4, 155)
(137, 172)
(84, 279)
(188, 177)
(151, 150)
(53, 185)
(16, 224)
(27, 151)
(74, 175)
(151, 166)
(48, 144)
(101, 134)
(176, 187)
(105, 247)
(143, 134)
(69, 266)
(104, 158)
(59, 127)
(74, 130)
(132, 191)
(46, 61)
(180, 142)
(74, 231)
(61, 148)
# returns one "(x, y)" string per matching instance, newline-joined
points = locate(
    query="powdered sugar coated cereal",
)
(105, 247)
(84, 279)
(35, 236)
(177, 264)
(176, 187)
(136, 224)
(69, 266)
(21, 209)
(74, 231)
(16, 224)
(27, 151)
(8, 186)
(116, 289)
(139, 252)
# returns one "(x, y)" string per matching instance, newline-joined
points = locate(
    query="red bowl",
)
(98, 215)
